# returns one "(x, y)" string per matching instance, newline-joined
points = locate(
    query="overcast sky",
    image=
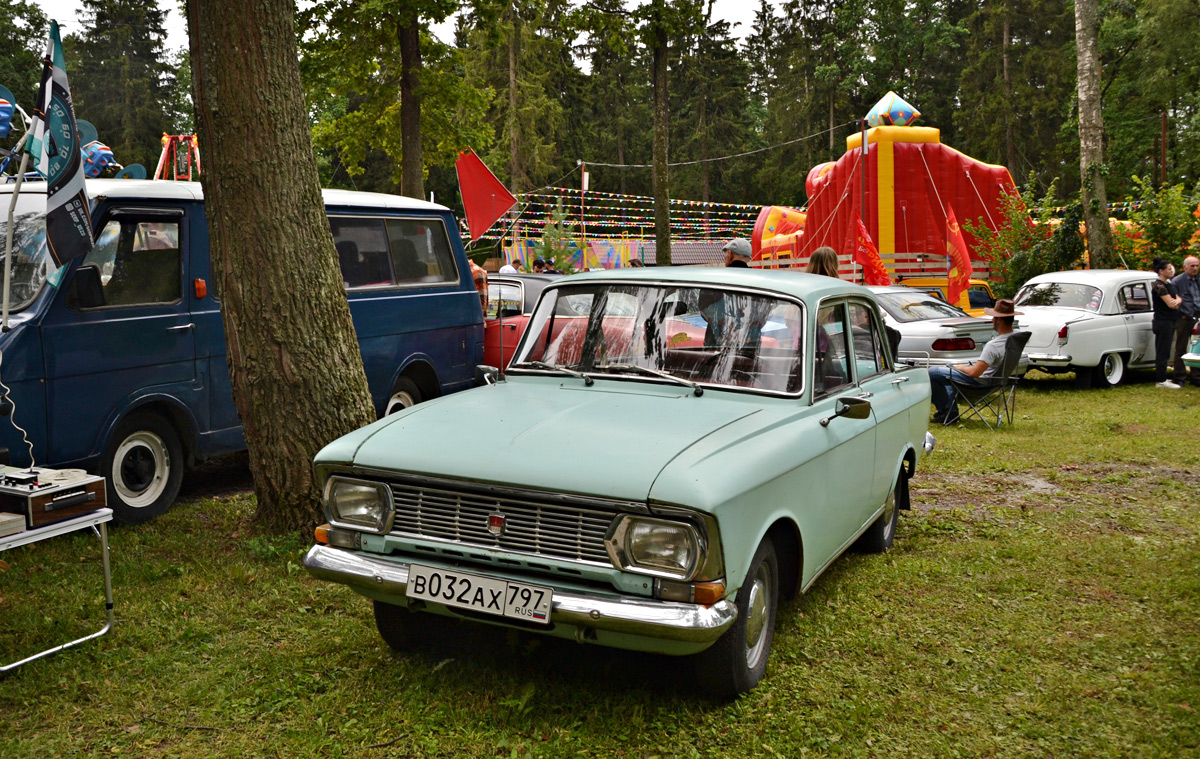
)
(66, 12)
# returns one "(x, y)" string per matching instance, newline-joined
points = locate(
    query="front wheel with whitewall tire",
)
(143, 465)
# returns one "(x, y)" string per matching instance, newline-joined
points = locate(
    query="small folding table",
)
(97, 521)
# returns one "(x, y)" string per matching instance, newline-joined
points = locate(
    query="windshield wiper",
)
(557, 368)
(696, 389)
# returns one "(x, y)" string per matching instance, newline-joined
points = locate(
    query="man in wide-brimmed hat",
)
(988, 364)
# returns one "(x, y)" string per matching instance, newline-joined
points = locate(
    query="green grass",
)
(1041, 600)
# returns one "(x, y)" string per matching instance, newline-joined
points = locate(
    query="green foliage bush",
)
(1025, 246)
(1167, 220)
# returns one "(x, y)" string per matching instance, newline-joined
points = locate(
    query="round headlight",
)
(358, 504)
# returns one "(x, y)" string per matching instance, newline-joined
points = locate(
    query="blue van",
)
(117, 363)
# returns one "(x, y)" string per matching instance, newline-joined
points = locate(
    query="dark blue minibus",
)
(134, 384)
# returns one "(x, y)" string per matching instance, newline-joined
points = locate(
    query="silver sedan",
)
(931, 330)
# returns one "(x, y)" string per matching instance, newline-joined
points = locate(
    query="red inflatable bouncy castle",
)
(912, 183)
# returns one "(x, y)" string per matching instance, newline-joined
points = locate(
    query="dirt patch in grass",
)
(1049, 489)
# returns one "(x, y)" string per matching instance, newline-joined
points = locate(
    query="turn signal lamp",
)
(704, 593)
(322, 534)
(201, 288)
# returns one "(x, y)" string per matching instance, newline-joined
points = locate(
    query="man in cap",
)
(737, 252)
(1187, 284)
(988, 365)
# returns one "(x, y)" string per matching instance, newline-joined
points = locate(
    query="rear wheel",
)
(880, 535)
(144, 468)
(738, 660)
(1110, 371)
(406, 394)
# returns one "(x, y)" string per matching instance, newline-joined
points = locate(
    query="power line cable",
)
(724, 157)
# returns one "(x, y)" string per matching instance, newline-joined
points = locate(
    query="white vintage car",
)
(1094, 322)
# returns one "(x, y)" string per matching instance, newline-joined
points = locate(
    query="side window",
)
(421, 251)
(503, 295)
(362, 249)
(979, 298)
(139, 262)
(869, 355)
(1135, 297)
(832, 361)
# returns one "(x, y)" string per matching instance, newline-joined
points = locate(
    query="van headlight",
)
(359, 504)
(658, 547)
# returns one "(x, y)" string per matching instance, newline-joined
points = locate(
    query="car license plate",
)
(461, 590)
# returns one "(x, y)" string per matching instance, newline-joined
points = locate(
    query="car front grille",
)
(533, 524)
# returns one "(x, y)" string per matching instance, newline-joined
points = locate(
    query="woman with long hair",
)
(823, 261)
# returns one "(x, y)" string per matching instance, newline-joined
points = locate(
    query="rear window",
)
(917, 306)
(1061, 294)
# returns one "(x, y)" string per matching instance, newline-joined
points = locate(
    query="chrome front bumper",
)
(645, 617)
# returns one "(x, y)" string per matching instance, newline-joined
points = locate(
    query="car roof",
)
(782, 281)
(1094, 277)
(935, 281)
(156, 189)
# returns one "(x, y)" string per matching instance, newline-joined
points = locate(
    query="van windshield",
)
(31, 262)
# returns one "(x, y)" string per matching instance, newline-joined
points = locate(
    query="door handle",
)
(866, 394)
(900, 380)
(181, 327)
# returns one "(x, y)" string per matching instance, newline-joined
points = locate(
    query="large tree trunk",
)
(412, 179)
(1091, 136)
(297, 375)
(662, 178)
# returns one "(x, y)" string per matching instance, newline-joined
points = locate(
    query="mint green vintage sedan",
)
(671, 454)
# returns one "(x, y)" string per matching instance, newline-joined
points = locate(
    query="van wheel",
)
(407, 394)
(144, 467)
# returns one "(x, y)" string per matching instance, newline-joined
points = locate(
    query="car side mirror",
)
(486, 375)
(89, 290)
(851, 408)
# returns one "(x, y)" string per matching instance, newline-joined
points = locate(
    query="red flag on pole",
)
(867, 256)
(484, 198)
(959, 275)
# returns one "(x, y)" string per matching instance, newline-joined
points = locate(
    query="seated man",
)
(988, 364)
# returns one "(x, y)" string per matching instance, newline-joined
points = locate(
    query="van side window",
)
(421, 251)
(139, 262)
(362, 249)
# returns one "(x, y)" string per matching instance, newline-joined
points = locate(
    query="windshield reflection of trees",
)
(700, 334)
(31, 264)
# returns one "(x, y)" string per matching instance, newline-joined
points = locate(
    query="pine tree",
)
(124, 84)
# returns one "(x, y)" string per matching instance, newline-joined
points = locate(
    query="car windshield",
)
(917, 306)
(1061, 294)
(703, 335)
(31, 262)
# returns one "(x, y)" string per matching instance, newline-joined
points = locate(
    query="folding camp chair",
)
(994, 399)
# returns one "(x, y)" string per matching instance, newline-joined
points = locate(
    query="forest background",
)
(535, 86)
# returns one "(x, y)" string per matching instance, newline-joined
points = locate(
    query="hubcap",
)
(399, 401)
(1112, 368)
(140, 469)
(757, 610)
(889, 514)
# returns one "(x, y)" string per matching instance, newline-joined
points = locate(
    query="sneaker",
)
(1167, 385)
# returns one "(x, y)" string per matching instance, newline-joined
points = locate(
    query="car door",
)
(847, 464)
(890, 395)
(1133, 301)
(139, 342)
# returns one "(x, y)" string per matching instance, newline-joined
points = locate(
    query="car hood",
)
(1044, 322)
(610, 440)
